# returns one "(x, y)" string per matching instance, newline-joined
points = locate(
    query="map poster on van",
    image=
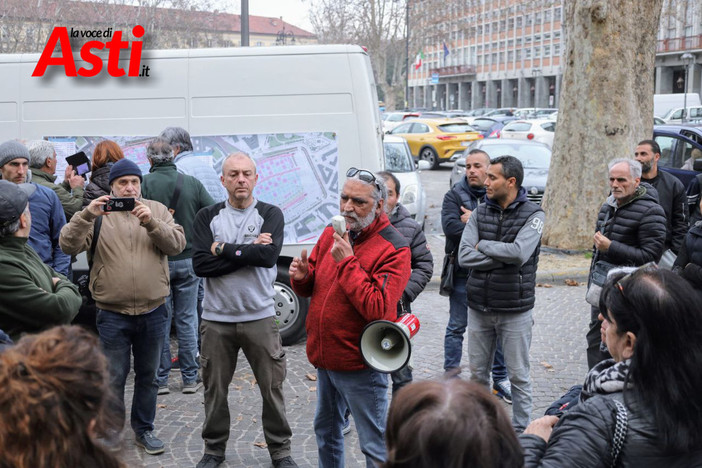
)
(298, 172)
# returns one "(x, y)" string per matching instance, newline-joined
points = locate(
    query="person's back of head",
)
(54, 400)
(107, 151)
(178, 138)
(449, 424)
(662, 311)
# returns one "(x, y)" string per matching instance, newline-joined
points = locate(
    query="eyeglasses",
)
(364, 175)
(650, 266)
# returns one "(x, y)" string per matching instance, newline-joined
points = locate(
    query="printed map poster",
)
(298, 172)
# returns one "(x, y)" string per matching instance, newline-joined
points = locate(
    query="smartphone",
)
(118, 204)
(339, 225)
(80, 163)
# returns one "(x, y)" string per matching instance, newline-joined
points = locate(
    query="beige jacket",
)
(130, 267)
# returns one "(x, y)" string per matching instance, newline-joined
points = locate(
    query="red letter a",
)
(60, 35)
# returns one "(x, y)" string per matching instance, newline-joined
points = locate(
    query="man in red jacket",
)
(353, 280)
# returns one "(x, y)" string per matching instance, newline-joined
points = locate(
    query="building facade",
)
(507, 53)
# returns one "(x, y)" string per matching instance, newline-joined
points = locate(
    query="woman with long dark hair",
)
(641, 408)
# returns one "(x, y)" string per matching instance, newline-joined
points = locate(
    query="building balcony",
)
(454, 70)
(679, 44)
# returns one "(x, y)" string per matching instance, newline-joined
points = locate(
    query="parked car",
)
(677, 143)
(542, 131)
(399, 161)
(535, 157)
(675, 116)
(393, 119)
(490, 126)
(544, 113)
(436, 140)
(480, 111)
(658, 121)
(504, 111)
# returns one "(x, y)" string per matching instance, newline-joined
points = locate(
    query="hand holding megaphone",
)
(385, 346)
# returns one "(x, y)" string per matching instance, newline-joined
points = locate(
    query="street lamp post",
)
(687, 59)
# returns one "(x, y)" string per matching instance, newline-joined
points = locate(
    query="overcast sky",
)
(295, 12)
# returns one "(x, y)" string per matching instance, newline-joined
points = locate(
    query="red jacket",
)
(348, 295)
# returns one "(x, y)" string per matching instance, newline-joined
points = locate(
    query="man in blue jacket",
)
(44, 205)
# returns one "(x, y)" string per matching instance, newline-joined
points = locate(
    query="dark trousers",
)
(595, 352)
(141, 335)
(260, 340)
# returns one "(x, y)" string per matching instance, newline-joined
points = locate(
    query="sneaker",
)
(150, 443)
(192, 387)
(210, 461)
(285, 462)
(163, 390)
(347, 426)
(503, 389)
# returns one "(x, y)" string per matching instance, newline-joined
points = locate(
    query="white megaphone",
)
(385, 345)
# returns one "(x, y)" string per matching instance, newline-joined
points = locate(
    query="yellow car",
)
(436, 140)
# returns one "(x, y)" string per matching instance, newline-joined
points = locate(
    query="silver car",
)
(535, 157)
(399, 161)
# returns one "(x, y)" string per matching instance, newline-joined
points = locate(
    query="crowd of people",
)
(199, 251)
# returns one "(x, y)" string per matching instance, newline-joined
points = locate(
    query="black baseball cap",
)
(13, 200)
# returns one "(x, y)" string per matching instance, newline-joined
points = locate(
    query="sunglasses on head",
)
(365, 176)
(650, 266)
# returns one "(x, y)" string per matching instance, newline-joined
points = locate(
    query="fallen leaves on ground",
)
(571, 282)
(261, 444)
(313, 389)
(544, 285)
(311, 377)
(162, 406)
(548, 366)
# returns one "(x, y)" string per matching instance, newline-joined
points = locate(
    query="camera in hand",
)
(119, 204)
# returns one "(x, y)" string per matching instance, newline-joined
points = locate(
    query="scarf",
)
(606, 377)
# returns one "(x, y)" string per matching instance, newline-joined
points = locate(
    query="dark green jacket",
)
(160, 184)
(30, 301)
(71, 199)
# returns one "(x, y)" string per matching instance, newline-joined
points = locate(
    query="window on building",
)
(527, 52)
(547, 51)
(527, 40)
(556, 34)
(487, 59)
(528, 19)
(537, 52)
(537, 18)
(556, 49)
(510, 56)
(557, 13)
(519, 41)
(503, 23)
(547, 36)
(537, 38)
(518, 54)
(510, 43)
(519, 21)
(547, 16)
(510, 24)
(480, 30)
(495, 58)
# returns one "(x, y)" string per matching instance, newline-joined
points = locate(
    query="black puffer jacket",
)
(422, 260)
(98, 186)
(689, 261)
(637, 229)
(583, 439)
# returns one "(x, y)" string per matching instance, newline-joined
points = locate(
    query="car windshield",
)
(397, 158)
(532, 157)
(456, 128)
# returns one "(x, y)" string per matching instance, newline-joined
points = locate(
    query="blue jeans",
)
(456, 328)
(515, 330)
(182, 307)
(141, 335)
(365, 393)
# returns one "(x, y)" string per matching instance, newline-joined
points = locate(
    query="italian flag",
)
(418, 60)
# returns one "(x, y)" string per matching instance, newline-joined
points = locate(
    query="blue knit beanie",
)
(124, 167)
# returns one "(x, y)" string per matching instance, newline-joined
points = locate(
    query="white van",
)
(305, 113)
(675, 116)
(663, 103)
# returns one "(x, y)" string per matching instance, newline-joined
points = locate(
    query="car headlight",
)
(409, 196)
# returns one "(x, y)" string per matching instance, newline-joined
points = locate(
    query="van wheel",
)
(290, 310)
(428, 154)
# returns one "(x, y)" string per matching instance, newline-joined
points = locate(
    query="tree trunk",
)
(606, 107)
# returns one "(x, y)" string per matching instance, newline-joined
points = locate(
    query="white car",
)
(542, 131)
(399, 161)
(391, 120)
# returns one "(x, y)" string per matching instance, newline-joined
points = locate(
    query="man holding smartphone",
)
(129, 281)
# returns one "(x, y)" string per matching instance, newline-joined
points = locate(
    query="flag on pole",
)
(446, 50)
(418, 60)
